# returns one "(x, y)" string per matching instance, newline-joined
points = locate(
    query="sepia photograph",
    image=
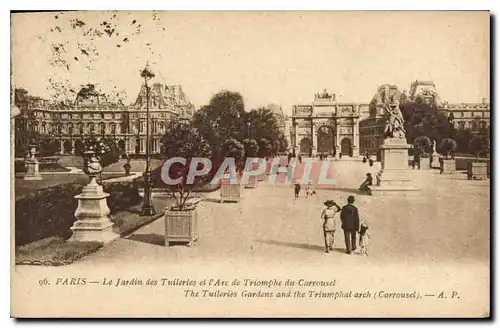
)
(250, 164)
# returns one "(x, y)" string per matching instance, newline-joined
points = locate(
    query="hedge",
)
(51, 211)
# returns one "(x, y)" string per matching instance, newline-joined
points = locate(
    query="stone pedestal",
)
(435, 161)
(395, 176)
(32, 169)
(425, 163)
(93, 222)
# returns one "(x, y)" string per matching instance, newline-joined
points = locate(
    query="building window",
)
(473, 126)
(102, 128)
(80, 128)
(113, 128)
(44, 129)
(70, 128)
(461, 125)
(91, 128)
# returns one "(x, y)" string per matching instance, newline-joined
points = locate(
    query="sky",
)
(269, 57)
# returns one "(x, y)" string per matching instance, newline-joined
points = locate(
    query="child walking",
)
(364, 238)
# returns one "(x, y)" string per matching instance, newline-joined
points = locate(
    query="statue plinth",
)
(32, 169)
(435, 160)
(93, 222)
(395, 176)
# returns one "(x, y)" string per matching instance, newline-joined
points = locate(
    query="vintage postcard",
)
(250, 164)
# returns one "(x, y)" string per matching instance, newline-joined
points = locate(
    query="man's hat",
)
(329, 203)
(350, 199)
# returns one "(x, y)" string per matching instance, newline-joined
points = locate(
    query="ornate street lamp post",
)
(147, 207)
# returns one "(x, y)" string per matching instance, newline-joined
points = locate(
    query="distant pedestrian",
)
(350, 224)
(297, 190)
(328, 217)
(368, 182)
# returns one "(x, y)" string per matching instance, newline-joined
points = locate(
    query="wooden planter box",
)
(477, 171)
(181, 225)
(425, 163)
(448, 166)
(230, 192)
(252, 182)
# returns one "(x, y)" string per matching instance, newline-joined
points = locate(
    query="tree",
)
(234, 149)
(221, 119)
(463, 138)
(265, 147)
(425, 120)
(283, 143)
(261, 123)
(251, 147)
(422, 145)
(182, 139)
(447, 146)
(479, 145)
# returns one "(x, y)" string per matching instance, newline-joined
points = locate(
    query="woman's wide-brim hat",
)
(329, 203)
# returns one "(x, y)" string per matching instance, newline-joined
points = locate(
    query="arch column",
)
(296, 141)
(61, 149)
(337, 139)
(355, 146)
(314, 139)
(72, 147)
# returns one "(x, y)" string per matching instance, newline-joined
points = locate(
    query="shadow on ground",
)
(299, 245)
(149, 238)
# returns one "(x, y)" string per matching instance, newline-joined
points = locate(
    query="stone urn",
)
(92, 214)
(32, 165)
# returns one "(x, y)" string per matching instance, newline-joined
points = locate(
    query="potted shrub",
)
(251, 150)
(181, 219)
(422, 147)
(232, 148)
(447, 147)
(479, 145)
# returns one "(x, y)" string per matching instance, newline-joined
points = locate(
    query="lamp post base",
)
(148, 210)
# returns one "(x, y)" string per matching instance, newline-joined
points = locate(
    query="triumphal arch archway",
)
(326, 126)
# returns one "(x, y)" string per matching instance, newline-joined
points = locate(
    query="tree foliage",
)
(479, 145)
(447, 146)
(422, 145)
(251, 147)
(424, 120)
(182, 139)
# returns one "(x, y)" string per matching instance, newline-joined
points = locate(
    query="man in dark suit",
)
(350, 224)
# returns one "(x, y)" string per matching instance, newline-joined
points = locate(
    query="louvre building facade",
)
(91, 115)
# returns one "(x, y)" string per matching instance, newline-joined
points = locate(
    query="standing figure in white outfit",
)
(328, 217)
